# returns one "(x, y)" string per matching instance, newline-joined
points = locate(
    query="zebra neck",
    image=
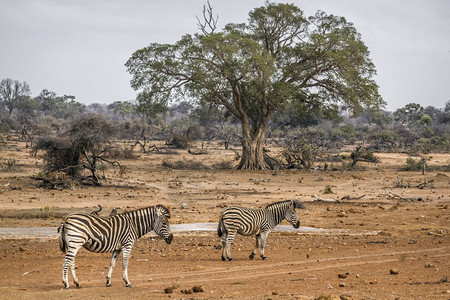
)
(277, 213)
(143, 220)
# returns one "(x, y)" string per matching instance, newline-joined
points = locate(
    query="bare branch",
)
(209, 23)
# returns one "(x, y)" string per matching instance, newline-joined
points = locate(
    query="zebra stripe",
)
(259, 222)
(115, 234)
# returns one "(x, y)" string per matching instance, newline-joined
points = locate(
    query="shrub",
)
(179, 141)
(185, 164)
(327, 190)
(223, 165)
(9, 166)
(412, 165)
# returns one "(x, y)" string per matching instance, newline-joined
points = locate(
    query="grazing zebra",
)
(113, 234)
(248, 221)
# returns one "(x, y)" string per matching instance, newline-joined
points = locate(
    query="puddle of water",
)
(51, 232)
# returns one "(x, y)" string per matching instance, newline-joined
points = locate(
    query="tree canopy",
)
(256, 68)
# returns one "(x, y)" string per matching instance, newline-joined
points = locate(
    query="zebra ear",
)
(298, 204)
(163, 211)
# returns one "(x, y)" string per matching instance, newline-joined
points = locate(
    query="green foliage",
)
(364, 155)
(12, 92)
(253, 70)
(123, 108)
(409, 114)
(412, 165)
(59, 106)
(40, 175)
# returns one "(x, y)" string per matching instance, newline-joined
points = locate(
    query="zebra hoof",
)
(223, 258)
(251, 256)
(129, 285)
(78, 286)
(108, 285)
(263, 257)
(230, 258)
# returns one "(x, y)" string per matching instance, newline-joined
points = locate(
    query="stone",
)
(393, 271)
(198, 289)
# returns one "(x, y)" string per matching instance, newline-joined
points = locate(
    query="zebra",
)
(248, 221)
(114, 234)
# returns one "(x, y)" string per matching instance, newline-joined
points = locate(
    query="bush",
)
(9, 166)
(327, 190)
(412, 165)
(223, 165)
(79, 150)
(185, 164)
(180, 141)
(120, 153)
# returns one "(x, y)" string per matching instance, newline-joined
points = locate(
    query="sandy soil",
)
(381, 232)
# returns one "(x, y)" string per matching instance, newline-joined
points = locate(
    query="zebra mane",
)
(295, 202)
(164, 210)
(161, 208)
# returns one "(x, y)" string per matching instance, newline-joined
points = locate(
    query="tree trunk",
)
(252, 148)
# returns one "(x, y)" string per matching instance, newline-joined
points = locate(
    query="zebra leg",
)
(263, 244)
(125, 256)
(258, 238)
(69, 262)
(115, 255)
(228, 242)
(224, 244)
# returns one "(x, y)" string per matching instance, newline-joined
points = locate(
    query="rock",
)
(345, 297)
(393, 271)
(184, 205)
(342, 275)
(187, 291)
(341, 284)
(341, 214)
(198, 289)
(168, 290)
(429, 265)
(274, 293)
(328, 297)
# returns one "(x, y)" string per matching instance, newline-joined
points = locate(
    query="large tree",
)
(12, 92)
(257, 68)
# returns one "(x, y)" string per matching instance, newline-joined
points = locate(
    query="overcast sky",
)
(79, 47)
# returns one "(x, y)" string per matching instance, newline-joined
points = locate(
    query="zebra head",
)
(161, 223)
(291, 214)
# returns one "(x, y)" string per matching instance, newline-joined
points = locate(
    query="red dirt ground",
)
(382, 233)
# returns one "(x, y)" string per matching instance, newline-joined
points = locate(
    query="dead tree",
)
(83, 148)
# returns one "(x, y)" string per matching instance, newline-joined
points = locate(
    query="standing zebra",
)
(248, 221)
(113, 234)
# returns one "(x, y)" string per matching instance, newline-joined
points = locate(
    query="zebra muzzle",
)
(169, 239)
(297, 225)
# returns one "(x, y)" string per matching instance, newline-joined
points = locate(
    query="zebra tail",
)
(61, 238)
(221, 228)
